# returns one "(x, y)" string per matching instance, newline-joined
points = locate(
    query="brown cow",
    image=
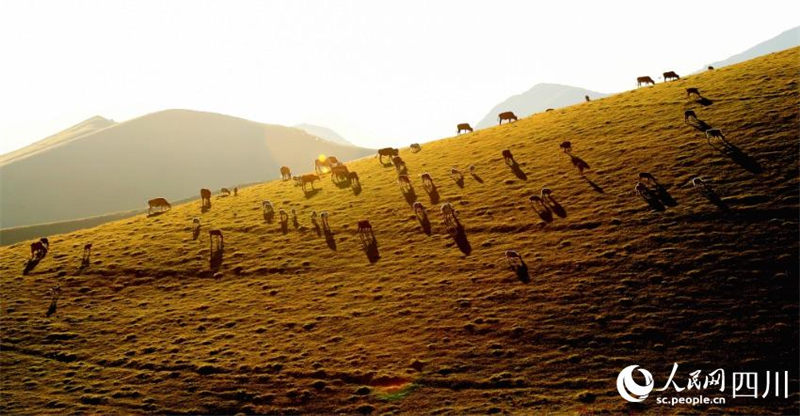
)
(671, 75)
(286, 173)
(158, 203)
(387, 152)
(644, 81)
(39, 248)
(463, 127)
(308, 178)
(339, 174)
(692, 90)
(205, 198)
(587, 98)
(225, 191)
(215, 236)
(415, 148)
(506, 115)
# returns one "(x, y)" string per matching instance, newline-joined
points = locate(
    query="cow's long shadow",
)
(371, 250)
(597, 188)
(714, 198)
(410, 196)
(522, 272)
(652, 200)
(215, 262)
(698, 124)
(477, 178)
(425, 223)
(461, 240)
(31, 264)
(310, 193)
(433, 194)
(738, 156)
(664, 196)
(329, 239)
(705, 102)
(195, 233)
(555, 206)
(517, 170)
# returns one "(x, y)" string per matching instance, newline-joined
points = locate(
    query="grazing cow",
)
(514, 260)
(456, 175)
(419, 211)
(284, 217)
(225, 191)
(319, 167)
(715, 133)
(308, 178)
(216, 241)
(388, 152)
(450, 218)
(268, 210)
(366, 235)
(286, 173)
(671, 75)
(644, 81)
(508, 158)
(339, 174)
(160, 204)
(39, 248)
(354, 181)
(472, 169)
(326, 227)
(415, 148)
(427, 182)
(548, 110)
(195, 224)
(463, 127)
(506, 115)
(566, 146)
(643, 190)
(295, 223)
(540, 207)
(87, 254)
(692, 90)
(235, 191)
(298, 180)
(54, 293)
(587, 98)
(205, 198)
(689, 114)
(710, 68)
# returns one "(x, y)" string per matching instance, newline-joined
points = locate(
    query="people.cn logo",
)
(629, 389)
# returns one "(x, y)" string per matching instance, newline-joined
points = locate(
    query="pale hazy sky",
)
(378, 72)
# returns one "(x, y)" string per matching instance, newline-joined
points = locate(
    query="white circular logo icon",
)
(629, 389)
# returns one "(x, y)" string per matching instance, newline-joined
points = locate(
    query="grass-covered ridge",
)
(292, 325)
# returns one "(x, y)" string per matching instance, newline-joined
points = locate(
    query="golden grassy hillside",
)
(291, 325)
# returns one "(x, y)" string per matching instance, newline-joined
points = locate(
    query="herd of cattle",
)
(544, 204)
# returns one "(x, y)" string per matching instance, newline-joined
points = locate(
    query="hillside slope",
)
(537, 99)
(292, 323)
(169, 154)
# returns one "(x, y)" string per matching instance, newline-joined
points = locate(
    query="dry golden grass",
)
(290, 325)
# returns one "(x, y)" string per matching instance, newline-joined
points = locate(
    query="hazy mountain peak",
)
(85, 127)
(539, 98)
(323, 133)
(787, 39)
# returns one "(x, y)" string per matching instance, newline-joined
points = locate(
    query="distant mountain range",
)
(785, 40)
(324, 133)
(98, 167)
(538, 99)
